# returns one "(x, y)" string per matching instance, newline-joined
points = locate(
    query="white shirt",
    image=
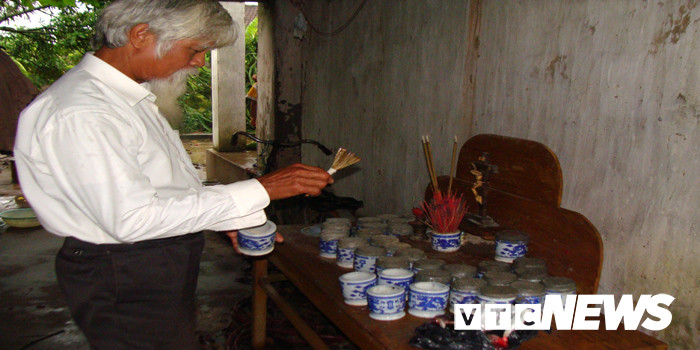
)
(97, 161)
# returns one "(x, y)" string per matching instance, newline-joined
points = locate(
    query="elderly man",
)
(103, 168)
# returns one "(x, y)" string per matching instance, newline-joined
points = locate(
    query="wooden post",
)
(259, 303)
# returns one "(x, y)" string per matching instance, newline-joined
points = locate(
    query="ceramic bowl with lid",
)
(500, 278)
(392, 248)
(368, 233)
(427, 299)
(338, 220)
(328, 243)
(531, 274)
(464, 290)
(392, 262)
(527, 263)
(400, 229)
(460, 270)
(511, 244)
(529, 292)
(427, 264)
(366, 258)
(497, 294)
(434, 275)
(258, 240)
(563, 286)
(382, 240)
(346, 250)
(491, 265)
(413, 254)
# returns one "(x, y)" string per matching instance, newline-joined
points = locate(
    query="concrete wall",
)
(612, 87)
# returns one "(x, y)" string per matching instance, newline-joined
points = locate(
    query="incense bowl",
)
(511, 245)
(446, 242)
(354, 286)
(427, 299)
(386, 302)
(398, 277)
(366, 258)
(346, 250)
(465, 290)
(328, 244)
(258, 240)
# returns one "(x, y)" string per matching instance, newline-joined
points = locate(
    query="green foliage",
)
(47, 52)
(251, 52)
(196, 102)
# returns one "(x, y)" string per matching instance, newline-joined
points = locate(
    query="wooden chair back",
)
(525, 194)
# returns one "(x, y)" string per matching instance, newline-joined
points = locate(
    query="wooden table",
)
(317, 278)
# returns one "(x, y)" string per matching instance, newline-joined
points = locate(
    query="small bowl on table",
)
(24, 217)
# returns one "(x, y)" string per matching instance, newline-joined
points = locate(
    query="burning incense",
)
(343, 159)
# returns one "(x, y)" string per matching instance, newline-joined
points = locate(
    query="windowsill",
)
(229, 167)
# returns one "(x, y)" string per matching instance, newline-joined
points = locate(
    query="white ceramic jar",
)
(386, 302)
(427, 299)
(511, 245)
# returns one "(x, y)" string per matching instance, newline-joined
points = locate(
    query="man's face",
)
(169, 74)
(185, 54)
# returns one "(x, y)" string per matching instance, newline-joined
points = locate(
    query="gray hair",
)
(169, 20)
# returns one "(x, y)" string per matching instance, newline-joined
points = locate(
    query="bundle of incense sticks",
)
(431, 168)
(343, 158)
(444, 212)
(429, 160)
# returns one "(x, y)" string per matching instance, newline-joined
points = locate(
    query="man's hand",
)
(233, 235)
(294, 180)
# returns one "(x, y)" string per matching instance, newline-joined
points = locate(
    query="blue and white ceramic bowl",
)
(446, 242)
(511, 245)
(346, 251)
(386, 302)
(366, 258)
(328, 244)
(346, 257)
(258, 240)
(398, 277)
(354, 286)
(427, 299)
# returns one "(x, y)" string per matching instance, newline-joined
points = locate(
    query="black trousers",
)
(133, 296)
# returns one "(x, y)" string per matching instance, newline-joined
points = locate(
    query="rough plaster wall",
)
(613, 87)
(394, 74)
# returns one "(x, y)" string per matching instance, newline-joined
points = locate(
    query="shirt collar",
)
(132, 91)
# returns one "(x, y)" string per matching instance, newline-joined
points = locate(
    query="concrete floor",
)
(32, 307)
